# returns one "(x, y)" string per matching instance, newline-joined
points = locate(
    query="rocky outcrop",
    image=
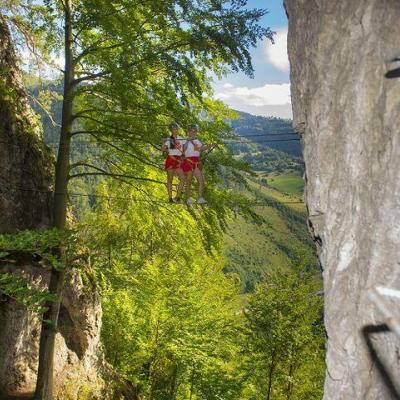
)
(25, 163)
(25, 203)
(78, 360)
(349, 116)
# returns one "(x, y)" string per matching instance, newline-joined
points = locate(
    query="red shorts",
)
(173, 162)
(191, 163)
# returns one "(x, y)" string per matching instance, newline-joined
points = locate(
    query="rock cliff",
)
(25, 163)
(25, 202)
(349, 116)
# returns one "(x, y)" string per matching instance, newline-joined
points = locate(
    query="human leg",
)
(188, 184)
(198, 173)
(170, 178)
(181, 183)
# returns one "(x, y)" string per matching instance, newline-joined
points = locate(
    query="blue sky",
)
(268, 93)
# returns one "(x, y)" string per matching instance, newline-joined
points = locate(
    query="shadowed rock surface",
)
(349, 115)
(25, 162)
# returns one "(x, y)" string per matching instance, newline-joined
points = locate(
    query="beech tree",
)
(129, 66)
(285, 337)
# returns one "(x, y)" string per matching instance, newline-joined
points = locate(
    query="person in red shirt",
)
(173, 163)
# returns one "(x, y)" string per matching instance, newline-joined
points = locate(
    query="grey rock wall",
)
(25, 163)
(78, 360)
(349, 116)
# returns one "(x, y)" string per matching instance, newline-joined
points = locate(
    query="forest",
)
(220, 301)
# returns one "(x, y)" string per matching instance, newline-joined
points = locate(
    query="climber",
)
(173, 163)
(192, 164)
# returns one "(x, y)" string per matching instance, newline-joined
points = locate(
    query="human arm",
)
(164, 146)
(206, 147)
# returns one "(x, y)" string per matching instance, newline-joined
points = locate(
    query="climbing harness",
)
(174, 161)
(191, 163)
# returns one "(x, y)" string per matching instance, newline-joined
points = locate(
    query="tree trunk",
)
(173, 385)
(290, 384)
(44, 386)
(270, 374)
(192, 384)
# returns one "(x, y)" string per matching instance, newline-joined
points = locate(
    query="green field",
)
(286, 183)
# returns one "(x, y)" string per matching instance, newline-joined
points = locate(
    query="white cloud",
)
(269, 94)
(277, 53)
(270, 99)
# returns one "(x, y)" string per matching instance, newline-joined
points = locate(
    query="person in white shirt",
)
(191, 164)
(173, 163)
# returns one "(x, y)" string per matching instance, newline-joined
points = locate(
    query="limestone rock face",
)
(78, 359)
(349, 116)
(25, 163)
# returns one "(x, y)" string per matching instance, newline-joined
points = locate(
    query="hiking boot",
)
(189, 201)
(201, 200)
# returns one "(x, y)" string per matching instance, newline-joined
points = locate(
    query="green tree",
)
(286, 339)
(129, 66)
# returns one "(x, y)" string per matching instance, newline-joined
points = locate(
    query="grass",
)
(293, 184)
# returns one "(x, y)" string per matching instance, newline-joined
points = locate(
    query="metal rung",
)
(376, 296)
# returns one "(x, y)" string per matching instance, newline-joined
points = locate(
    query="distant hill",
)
(272, 132)
(267, 144)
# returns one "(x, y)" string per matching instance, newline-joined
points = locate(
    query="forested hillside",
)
(280, 241)
(277, 132)
(268, 144)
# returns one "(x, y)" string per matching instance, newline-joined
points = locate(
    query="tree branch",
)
(93, 49)
(130, 65)
(102, 172)
(49, 115)
(105, 111)
(123, 151)
(121, 130)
